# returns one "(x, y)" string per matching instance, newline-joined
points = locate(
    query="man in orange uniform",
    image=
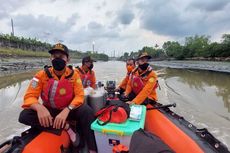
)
(86, 72)
(62, 94)
(130, 65)
(141, 88)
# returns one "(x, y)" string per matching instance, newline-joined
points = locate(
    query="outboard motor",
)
(110, 88)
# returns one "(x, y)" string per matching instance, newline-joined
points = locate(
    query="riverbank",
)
(16, 60)
(9, 66)
(19, 53)
(199, 65)
(17, 65)
(24, 64)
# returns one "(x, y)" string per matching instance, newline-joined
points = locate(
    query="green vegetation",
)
(99, 56)
(23, 43)
(11, 52)
(96, 56)
(194, 48)
(13, 46)
(199, 46)
(156, 53)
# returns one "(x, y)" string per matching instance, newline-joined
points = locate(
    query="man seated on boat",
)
(86, 72)
(62, 94)
(130, 65)
(142, 84)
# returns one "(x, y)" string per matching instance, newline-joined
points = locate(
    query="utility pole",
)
(93, 46)
(12, 26)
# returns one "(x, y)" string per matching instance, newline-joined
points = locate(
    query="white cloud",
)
(177, 19)
(121, 25)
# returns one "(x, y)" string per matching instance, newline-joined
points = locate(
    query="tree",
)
(126, 55)
(173, 49)
(225, 46)
(213, 50)
(195, 46)
(226, 39)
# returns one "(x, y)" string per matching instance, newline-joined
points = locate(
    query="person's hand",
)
(60, 119)
(44, 117)
(130, 102)
(124, 98)
(117, 89)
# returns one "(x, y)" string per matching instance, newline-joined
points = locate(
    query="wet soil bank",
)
(199, 65)
(18, 65)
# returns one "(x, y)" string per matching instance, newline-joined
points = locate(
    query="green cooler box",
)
(111, 134)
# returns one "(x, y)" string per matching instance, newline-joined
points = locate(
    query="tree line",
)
(34, 45)
(194, 47)
(10, 41)
(94, 55)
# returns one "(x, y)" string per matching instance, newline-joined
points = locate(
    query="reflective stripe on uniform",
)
(52, 94)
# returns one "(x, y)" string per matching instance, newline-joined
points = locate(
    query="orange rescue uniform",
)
(86, 77)
(124, 82)
(40, 82)
(149, 89)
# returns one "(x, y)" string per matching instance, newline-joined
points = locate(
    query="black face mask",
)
(91, 66)
(144, 66)
(58, 64)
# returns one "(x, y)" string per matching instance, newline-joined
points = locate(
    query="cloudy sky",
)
(120, 25)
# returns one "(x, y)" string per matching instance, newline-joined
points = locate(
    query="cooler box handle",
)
(120, 133)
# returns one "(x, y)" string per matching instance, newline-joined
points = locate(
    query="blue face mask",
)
(58, 64)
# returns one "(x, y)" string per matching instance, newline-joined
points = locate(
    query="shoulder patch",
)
(79, 80)
(34, 82)
(151, 79)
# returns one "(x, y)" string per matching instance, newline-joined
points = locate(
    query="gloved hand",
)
(124, 98)
(117, 89)
(130, 102)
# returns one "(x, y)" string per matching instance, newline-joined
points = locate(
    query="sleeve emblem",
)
(79, 80)
(151, 80)
(34, 82)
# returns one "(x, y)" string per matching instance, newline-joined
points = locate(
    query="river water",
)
(202, 97)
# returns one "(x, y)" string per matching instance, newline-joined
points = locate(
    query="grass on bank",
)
(12, 52)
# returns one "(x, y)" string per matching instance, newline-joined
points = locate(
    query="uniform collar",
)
(83, 69)
(66, 73)
(149, 68)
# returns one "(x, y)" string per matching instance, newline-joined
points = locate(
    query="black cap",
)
(144, 54)
(60, 48)
(87, 59)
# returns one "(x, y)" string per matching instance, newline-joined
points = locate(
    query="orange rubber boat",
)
(179, 134)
